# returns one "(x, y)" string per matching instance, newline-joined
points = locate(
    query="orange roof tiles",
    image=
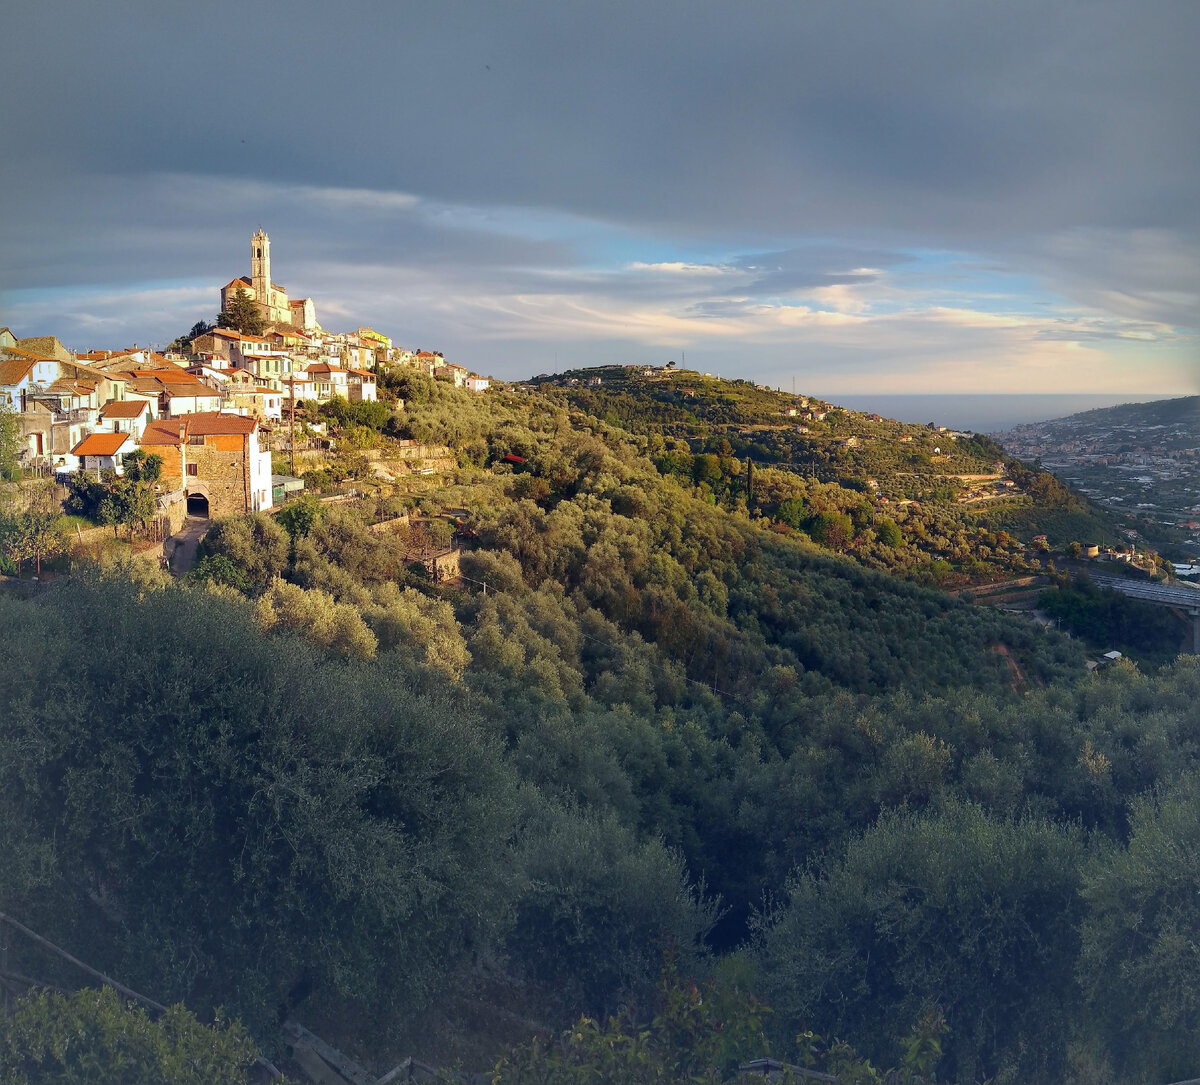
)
(201, 424)
(100, 444)
(15, 370)
(124, 408)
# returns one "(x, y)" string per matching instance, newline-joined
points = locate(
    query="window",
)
(195, 440)
(193, 469)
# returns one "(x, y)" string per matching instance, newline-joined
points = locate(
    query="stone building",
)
(272, 299)
(216, 459)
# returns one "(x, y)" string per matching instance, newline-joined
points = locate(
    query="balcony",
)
(75, 414)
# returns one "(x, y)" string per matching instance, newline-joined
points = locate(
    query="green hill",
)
(932, 504)
(652, 725)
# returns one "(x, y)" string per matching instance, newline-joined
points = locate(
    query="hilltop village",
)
(213, 406)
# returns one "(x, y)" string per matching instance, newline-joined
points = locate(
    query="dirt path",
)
(1018, 679)
(186, 541)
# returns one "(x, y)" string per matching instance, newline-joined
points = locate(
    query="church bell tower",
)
(260, 268)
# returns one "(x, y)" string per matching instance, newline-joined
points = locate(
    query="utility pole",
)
(292, 436)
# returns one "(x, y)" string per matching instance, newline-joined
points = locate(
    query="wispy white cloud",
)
(678, 267)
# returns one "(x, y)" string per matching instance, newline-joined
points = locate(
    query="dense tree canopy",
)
(647, 723)
(92, 1036)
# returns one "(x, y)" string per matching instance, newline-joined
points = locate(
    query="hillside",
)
(651, 724)
(935, 505)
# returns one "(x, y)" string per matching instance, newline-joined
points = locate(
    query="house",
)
(361, 386)
(59, 416)
(126, 416)
(357, 356)
(440, 564)
(112, 360)
(180, 398)
(457, 373)
(20, 374)
(103, 451)
(107, 384)
(216, 458)
(476, 384)
(218, 343)
(263, 403)
(173, 391)
(298, 387)
(375, 340)
(329, 381)
(216, 374)
(260, 359)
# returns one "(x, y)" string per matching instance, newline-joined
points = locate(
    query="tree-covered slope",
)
(643, 726)
(923, 501)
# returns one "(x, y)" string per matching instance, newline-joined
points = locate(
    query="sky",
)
(856, 196)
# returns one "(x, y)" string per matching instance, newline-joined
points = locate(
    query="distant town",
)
(1140, 459)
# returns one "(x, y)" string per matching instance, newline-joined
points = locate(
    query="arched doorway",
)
(197, 506)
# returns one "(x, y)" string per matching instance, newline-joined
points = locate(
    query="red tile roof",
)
(15, 370)
(124, 408)
(202, 424)
(100, 444)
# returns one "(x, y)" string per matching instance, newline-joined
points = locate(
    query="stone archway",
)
(197, 505)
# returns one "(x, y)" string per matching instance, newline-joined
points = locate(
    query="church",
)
(271, 298)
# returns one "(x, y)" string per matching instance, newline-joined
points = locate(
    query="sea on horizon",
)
(984, 413)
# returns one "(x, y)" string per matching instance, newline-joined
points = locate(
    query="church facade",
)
(271, 298)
